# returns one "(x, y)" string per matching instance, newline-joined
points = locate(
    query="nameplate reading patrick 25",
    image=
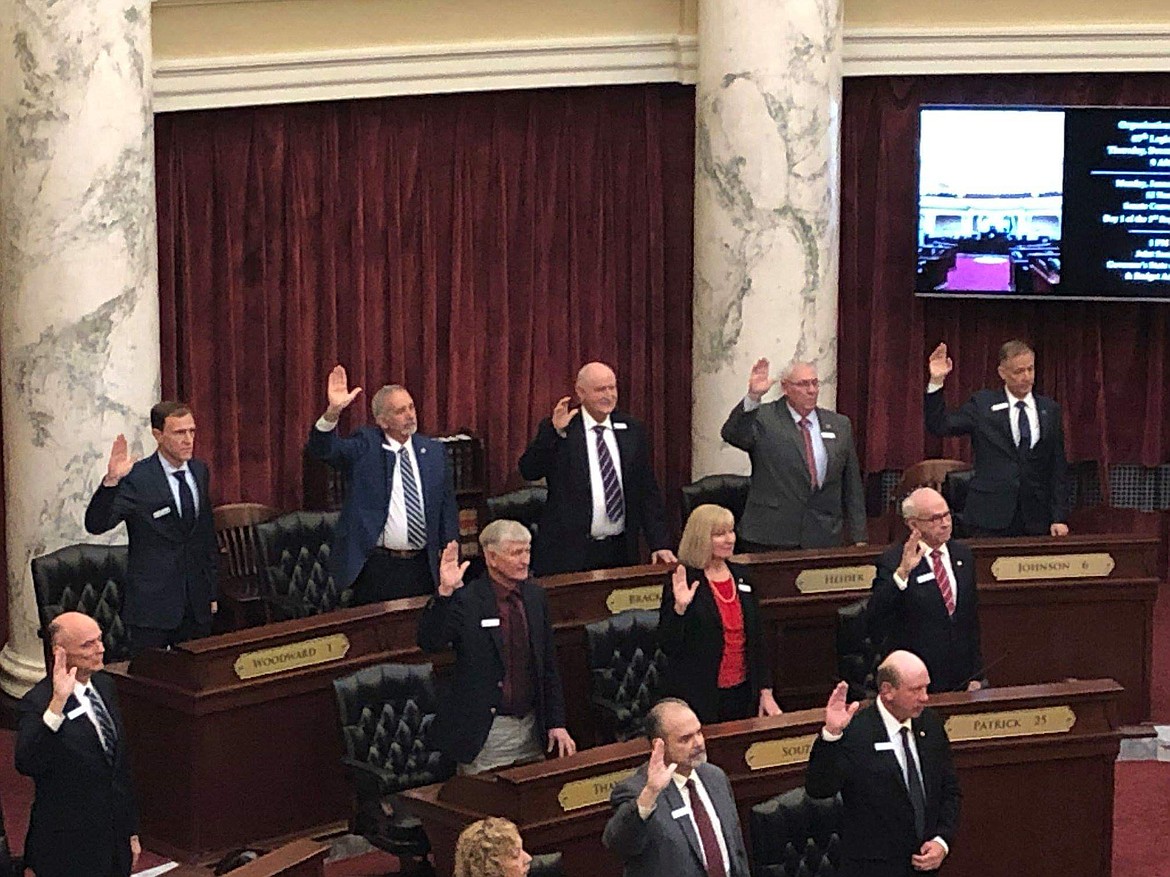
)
(292, 656)
(1011, 723)
(590, 791)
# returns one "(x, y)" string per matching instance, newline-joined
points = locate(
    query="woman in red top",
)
(709, 626)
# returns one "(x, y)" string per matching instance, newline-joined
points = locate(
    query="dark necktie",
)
(944, 581)
(1025, 428)
(706, 833)
(914, 785)
(416, 523)
(614, 501)
(109, 733)
(809, 456)
(186, 498)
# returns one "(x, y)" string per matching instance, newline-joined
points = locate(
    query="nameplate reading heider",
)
(836, 578)
(1011, 723)
(645, 597)
(1052, 566)
(291, 656)
(777, 753)
(590, 791)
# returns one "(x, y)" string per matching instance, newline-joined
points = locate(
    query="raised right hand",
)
(838, 711)
(451, 570)
(758, 381)
(339, 393)
(912, 553)
(683, 593)
(64, 681)
(940, 364)
(120, 462)
(562, 414)
(658, 773)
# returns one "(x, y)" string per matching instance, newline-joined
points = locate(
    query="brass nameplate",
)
(586, 793)
(645, 597)
(1011, 723)
(836, 578)
(777, 753)
(1052, 566)
(291, 656)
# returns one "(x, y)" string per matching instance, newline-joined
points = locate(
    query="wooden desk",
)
(300, 858)
(221, 761)
(1016, 790)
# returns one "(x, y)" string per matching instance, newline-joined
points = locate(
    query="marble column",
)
(767, 203)
(79, 323)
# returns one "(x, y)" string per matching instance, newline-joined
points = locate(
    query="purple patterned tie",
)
(614, 501)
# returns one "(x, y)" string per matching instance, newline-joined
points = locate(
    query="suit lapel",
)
(489, 609)
(791, 433)
(827, 421)
(725, 811)
(159, 488)
(1002, 421)
(625, 444)
(887, 760)
(674, 801)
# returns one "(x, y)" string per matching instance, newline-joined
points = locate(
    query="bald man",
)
(891, 762)
(71, 741)
(924, 596)
(601, 488)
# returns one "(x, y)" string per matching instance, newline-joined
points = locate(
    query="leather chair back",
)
(793, 834)
(857, 653)
(626, 665)
(85, 578)
(295, 568)
(954, 491)
(729, 491)
(525, 505)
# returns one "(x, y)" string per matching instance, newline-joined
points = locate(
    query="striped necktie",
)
(615, 503)
(109, 733)
(416, 522)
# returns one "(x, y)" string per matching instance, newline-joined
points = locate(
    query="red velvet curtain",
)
(1107, 363)
(477, 248)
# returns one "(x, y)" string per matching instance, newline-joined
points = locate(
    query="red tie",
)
(809, 457)
(944, 583)
(706, 833)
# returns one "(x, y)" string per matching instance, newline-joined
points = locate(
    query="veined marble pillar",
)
(79, 333)
(766, 203)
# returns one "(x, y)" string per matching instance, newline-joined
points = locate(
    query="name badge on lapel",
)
(999, 406)
(680, 812)
(75, 712)
(925, 577)
(161, 513)
(618, 426)
(831, 435)
(747, 589)
(489, 622)
(883, 746)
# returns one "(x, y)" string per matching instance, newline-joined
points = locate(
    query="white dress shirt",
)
(680, 783)
(1030, 410)
(602, 527)
(173, 483)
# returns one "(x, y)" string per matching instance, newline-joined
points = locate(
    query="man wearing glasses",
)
(924, 597)
(806, 489)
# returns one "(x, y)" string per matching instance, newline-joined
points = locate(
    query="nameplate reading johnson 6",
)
(586, 793)
(291, 656)
(645, 597)
(777, 753)
(1052, 566)
(836, 578)
(1011, 723)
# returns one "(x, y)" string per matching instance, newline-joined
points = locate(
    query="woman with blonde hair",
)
(709, 626)
(491, 848)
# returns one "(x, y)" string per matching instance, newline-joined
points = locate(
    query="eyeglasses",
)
(805, 385)
(936, 519)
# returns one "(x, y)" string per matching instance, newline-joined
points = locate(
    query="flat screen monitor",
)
(1044, 202)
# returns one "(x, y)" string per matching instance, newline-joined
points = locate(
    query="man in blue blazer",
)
(165, 503)
(1020, 486)
(400, 509)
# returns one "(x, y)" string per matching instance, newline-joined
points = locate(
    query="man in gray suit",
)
(806, 487)
(676, 816)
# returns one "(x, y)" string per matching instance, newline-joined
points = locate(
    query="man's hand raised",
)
(658, 774)
(562, 414)
(940, 364)
(64, 681)
(339, 393)
(758, 381)
(838, 711)
(451, 570)
(120, 462)
(912, 553)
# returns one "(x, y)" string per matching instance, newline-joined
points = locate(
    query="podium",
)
(1035, 764)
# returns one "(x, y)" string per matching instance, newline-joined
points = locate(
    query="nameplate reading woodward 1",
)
(777, 753)
(587, 792)
(1052, 566)
(836, 578)
(1011, 723)
(291, 656)
(645, 597)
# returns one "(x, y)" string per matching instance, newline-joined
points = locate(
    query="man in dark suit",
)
(805, 489)
(400, 508)
(891, 762)
(1020, 485)
(601, 486)
(506, 700)
(71, 741)
(924, 597)
(676, 815)
(165, 502)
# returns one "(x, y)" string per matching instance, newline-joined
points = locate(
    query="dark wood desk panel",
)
(1015, 790)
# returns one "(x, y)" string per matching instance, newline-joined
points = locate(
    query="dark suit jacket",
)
(916, 619)
(466, 713)
(878, 837)
(170, 562)
(83, 812)
(663, 846)
(568, 515)
(693, 644)
(782, 508)
(360, 458)
(1036, 479)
